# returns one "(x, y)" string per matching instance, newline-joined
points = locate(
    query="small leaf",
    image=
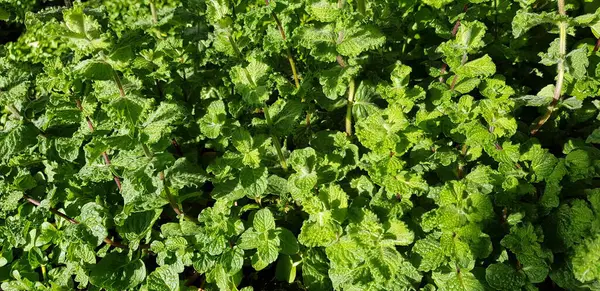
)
(263, 220)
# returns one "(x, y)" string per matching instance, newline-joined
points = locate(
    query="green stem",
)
(290, 59)
(293, 66)
(147, 151)
(234, 45)
(153, 10)
(172, 201)
(276, 142)
(360, 5)
(351, 91)
(14, 111)
(44, 273)
(288, 51)
(119, 84)
(560, 68)
(455, 78)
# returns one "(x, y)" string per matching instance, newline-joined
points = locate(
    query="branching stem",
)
(560, 68)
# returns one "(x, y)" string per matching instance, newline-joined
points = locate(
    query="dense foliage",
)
(300, 145)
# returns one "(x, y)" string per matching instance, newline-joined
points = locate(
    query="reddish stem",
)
(340, 61)
(177, 147)
(454, 80)
(104, 154)
(454, 32)
(597, 46)
(119, 84)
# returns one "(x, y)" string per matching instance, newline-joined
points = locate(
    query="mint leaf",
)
(117, 272)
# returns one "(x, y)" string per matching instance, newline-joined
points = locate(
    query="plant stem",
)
(153, 10)
(147, 151)
(119, 84)
(360, 5)
(597, 46)
(71, 220)
(44, 273)
(14, 111)
(351, 91)
(454, 32)
(104, 154)
(290, 58)
(560, 68)
(288, 51)
(234, 45)
(177, 147)
(161, 176)
(276, 142)
(172, 201)
(461, 163)
(455, 79)
(293, 66)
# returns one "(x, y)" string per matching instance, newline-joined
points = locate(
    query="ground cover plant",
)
(300, 145)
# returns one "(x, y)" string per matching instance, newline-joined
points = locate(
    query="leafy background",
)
(300, 145)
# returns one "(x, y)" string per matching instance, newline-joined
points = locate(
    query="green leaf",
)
(213, 121)
(481, 67)
(286, 269)
(117, 272)
(254, 182)
(463, 280)
(363, 105)
(320, 230)
(524, 21)
(437, 3)
(128, 110)
(164, 278)
(161, 121)
(324, 11)
(184, 173)
(15, 140)
(594, 137)
(266, 253)
(335, 81)
(586, 260)
(94, 70)
(543, 98)
(504, 277)
(359, 40)
(314, 270)
(399, 232)
(252, 82)
(577, 63)
(285, 120)
(68, 148)
(287, 241)
(431, 252)
(263, 220)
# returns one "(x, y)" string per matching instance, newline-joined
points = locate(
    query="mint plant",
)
(299, 145)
